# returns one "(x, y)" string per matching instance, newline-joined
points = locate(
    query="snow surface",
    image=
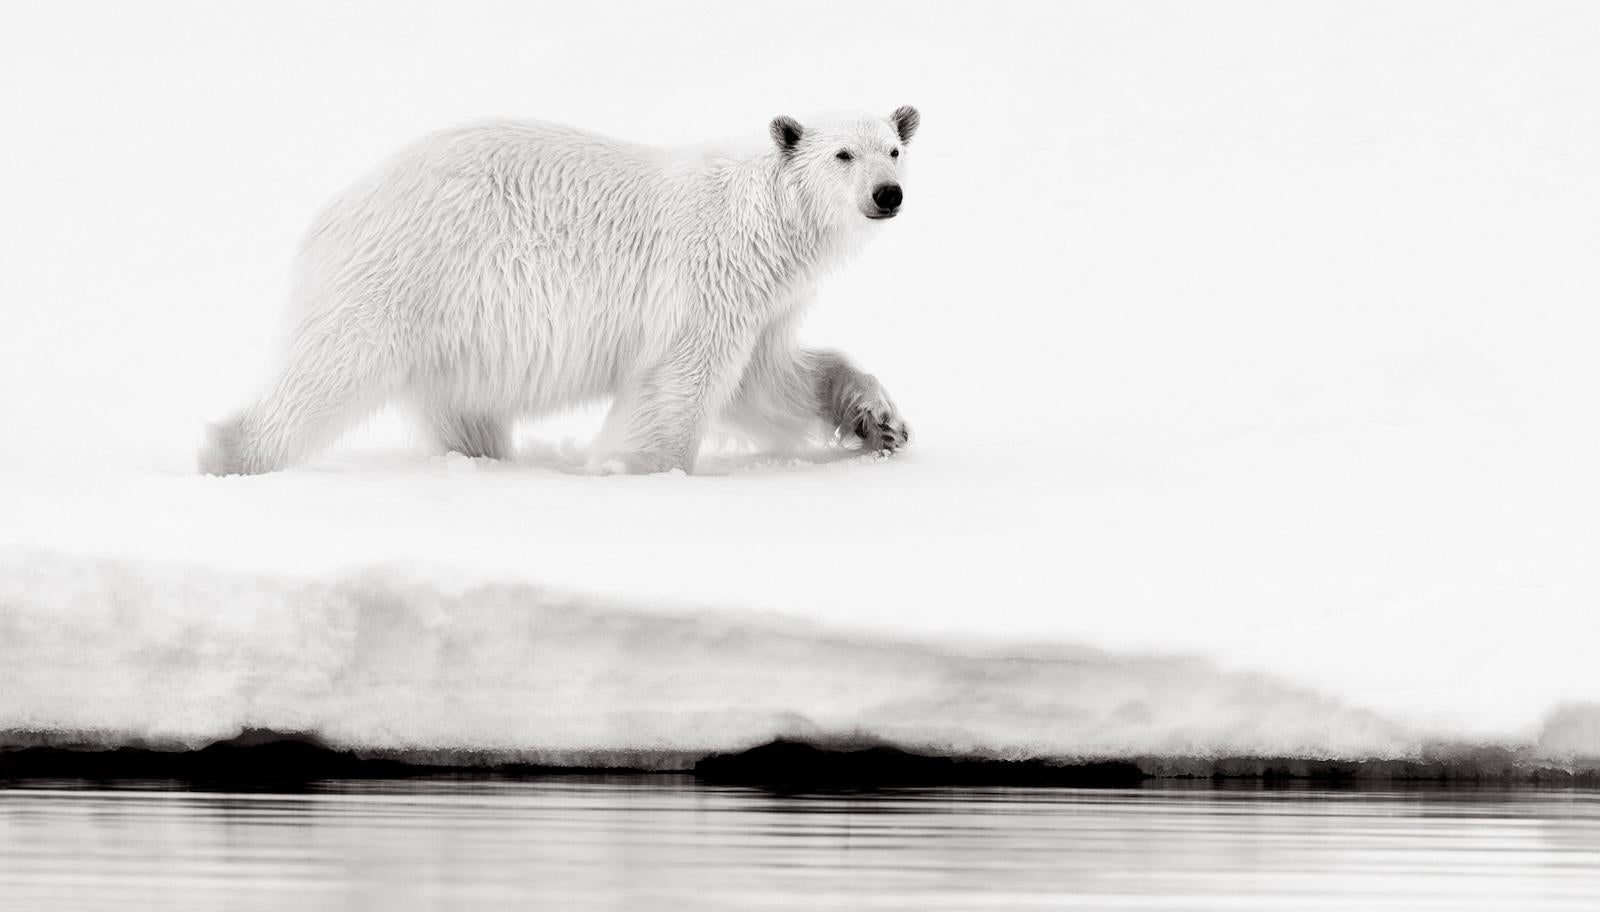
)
(1249, 350)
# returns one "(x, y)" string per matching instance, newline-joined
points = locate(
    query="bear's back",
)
(500, 243)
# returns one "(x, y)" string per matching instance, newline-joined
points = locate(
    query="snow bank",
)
(406, 663)
(1444, 586)
(391, 659)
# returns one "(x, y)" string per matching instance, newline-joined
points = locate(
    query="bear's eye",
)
(894, 153)
(844, 155)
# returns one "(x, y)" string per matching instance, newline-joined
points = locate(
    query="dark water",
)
(670, 843)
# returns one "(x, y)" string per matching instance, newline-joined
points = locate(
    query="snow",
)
(389, 660)
(1248, 350)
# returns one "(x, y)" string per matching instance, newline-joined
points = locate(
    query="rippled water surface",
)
(669, 842)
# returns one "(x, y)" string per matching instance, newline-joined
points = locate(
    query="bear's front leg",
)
(660, 416)
(788, 392)
(854, 402)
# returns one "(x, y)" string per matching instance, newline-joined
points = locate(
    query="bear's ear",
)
(786, 133)
(905, 119)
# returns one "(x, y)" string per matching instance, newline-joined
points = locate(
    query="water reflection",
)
(669, 842)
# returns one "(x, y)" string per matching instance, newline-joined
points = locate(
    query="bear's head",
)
(848, 169)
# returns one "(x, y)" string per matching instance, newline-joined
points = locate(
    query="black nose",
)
(887, 196)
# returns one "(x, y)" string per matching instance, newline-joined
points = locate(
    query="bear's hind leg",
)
(318, 392)
(476, 435)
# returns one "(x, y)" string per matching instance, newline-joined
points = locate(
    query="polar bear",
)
(512, 268)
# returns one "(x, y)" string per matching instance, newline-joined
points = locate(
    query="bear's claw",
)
(880, 430)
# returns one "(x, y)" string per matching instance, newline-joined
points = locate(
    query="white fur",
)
(514, 268)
